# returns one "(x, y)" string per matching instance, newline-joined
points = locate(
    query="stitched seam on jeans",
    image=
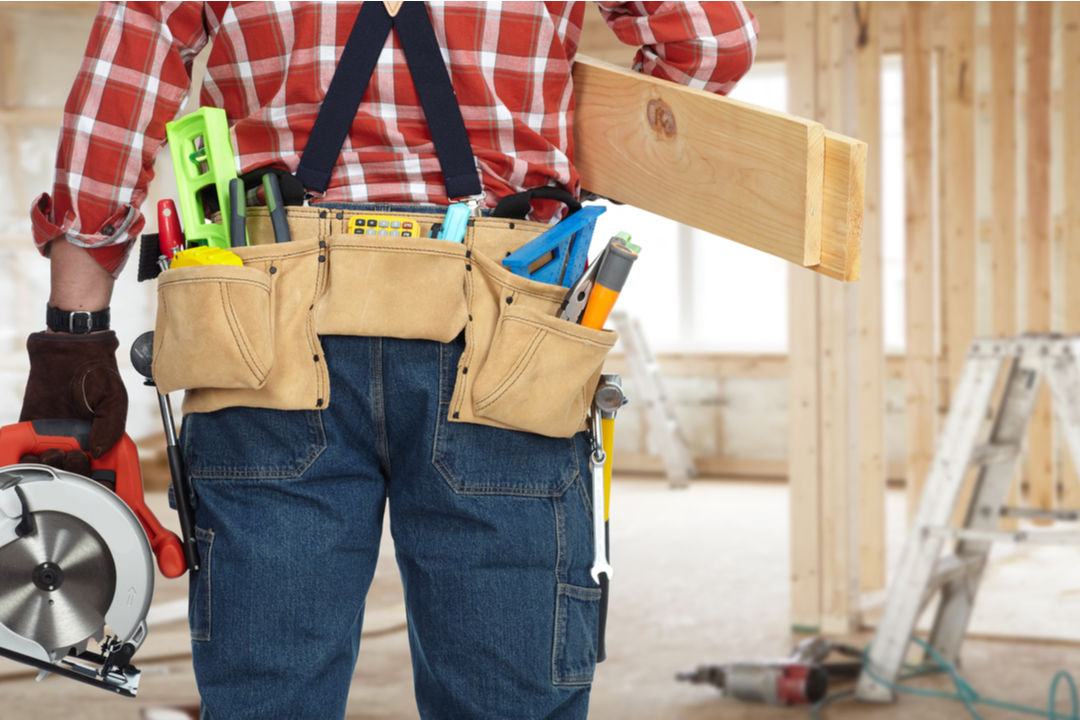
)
(315, 449)
(583, 489)
(378, 404)
(459, 486)
(580, 592)
(575, 592)
(560, 541)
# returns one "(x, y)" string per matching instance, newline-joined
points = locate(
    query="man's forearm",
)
(78, 282)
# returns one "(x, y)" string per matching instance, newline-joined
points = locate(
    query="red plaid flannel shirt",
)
(270, 65)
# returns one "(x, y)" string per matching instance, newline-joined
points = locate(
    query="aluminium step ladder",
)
(964, 443)
(663, 425)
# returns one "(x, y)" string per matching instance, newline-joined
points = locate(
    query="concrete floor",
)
(701, 578)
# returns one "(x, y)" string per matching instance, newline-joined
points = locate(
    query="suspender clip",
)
(474, 203)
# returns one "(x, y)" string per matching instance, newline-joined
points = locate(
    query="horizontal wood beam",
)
(769, 180)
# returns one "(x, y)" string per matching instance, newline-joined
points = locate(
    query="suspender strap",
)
(433, 86)
(438, 100)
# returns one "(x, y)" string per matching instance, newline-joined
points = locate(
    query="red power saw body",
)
(118, 467)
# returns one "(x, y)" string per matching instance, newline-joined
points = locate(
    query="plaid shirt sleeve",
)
(705, 45)
(114, 125)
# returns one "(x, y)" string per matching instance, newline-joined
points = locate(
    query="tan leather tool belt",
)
(249, 335)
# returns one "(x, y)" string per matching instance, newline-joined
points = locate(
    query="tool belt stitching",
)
(552, 330)
(515, 372)
(212, 278)
(386, 249)
(246, 351)
(537, 290)
(279, 254)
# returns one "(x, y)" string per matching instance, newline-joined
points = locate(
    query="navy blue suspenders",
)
(433, 86)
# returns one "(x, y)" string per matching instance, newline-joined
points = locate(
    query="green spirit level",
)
(202, 155)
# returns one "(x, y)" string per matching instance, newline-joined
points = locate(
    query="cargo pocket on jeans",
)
(540, 372)
(213, 328)
(577, 617)
(199, 587)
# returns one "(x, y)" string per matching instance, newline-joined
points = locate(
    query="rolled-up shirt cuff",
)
(109, 246)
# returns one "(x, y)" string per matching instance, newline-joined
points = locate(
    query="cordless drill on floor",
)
(801, 678)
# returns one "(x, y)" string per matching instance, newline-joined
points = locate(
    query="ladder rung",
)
(991, 454)
(1033, 513)
(1018, 536)
(952, 567)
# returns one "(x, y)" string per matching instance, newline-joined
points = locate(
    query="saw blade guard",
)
(121, 461)
(48, 492)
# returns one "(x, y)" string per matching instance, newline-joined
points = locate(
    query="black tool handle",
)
(277, 209)
(237, 213)
(183, 507)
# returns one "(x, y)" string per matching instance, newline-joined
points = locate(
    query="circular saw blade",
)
(74, 609)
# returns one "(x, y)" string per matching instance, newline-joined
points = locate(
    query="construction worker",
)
(354, 403)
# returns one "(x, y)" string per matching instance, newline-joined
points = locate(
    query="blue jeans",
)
(491, 529)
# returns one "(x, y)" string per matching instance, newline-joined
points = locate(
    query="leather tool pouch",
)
(249, 335)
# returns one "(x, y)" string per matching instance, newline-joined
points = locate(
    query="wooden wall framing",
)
(955, 265)
(836, 472)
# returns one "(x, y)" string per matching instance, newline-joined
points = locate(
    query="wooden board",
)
(840, 439)
(842, 225)
(1005, 238)
(1070, 44)
(804, 364)
(1040, 435)
(920, 361)
(871, 388)
(958, 202)
(746, 173)
(958, 186)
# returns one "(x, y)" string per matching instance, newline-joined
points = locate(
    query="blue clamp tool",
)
(563, 250)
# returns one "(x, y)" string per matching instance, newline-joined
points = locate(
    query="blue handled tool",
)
(455, 223)
(558, 255)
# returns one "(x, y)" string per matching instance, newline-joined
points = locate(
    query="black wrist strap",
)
(76, 322)
(433, 86)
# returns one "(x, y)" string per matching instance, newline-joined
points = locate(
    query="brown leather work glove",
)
(75, 376)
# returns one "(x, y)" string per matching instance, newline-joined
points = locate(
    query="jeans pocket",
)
(577, 618)
(252, 443)
(199, 588)
(484, 460)
(481, 460)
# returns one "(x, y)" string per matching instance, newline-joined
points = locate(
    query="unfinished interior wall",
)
(992, 243)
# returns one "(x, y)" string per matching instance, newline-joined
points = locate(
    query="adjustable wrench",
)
(600, 558)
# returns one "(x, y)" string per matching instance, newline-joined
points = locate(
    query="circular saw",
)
(77, 558)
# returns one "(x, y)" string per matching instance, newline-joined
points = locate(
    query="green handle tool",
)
(202, 155)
